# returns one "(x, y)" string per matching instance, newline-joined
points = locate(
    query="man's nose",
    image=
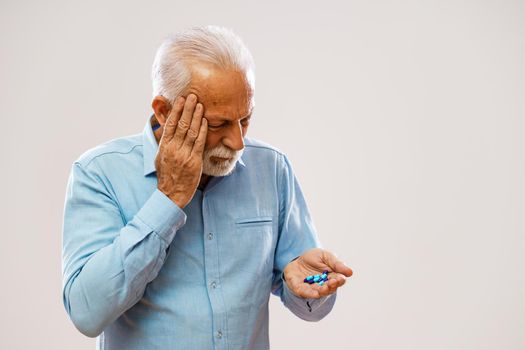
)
(234, 140)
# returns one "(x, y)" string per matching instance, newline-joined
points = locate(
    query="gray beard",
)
(212, 168)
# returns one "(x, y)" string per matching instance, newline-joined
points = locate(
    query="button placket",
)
(212, 269)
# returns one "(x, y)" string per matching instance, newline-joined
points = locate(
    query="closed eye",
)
(244, 122)
(216, 127)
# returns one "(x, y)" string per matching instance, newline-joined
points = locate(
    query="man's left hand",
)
(313, 262)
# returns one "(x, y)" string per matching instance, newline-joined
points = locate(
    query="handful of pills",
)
(319, 279)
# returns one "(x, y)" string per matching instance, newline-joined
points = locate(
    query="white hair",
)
(209, 44)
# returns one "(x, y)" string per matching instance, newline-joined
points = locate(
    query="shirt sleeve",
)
(297, 234)
(107, 264)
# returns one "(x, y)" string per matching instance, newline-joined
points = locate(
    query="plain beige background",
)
(404, 121)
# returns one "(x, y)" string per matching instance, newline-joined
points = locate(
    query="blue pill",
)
(309, 279)
(321, 283)
(316, 278)
(324, 275)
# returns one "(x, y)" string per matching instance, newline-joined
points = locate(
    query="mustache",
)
(222, 168)
(222, 151)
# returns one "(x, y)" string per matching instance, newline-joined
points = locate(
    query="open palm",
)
(313, 262)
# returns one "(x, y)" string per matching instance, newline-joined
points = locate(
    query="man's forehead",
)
(225, 94)
(224, 106)
(208, 76)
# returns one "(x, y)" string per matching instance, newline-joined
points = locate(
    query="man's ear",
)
(161, 107)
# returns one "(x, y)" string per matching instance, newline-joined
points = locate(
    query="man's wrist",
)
(173, 197)
(161, 214)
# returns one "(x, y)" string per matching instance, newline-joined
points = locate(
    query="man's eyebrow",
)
(221, 118)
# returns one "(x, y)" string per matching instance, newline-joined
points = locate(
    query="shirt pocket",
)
(255, 240)
(255, 221)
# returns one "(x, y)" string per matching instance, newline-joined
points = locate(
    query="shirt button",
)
(213, 285)
(210, 235)
(219, 334)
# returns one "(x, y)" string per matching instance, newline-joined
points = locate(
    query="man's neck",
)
(203, 182)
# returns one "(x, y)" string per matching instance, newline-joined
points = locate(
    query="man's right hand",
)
(181, 147)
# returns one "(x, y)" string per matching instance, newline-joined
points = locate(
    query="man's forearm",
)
(114, 278)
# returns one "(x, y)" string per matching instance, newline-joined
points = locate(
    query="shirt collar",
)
(150, 149)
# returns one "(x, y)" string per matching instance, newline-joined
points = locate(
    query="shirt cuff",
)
(309, 305)
(162, 215)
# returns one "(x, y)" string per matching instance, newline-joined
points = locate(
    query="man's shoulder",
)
(261, 156)
(255, 145)
(111, 150)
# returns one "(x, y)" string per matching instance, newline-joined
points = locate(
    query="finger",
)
(185, 120)
(336, 265)
(193, 131)
(173, 118)
(325, 291)
(198, 146)
(330, 287)
(334, 282)
(336, 278)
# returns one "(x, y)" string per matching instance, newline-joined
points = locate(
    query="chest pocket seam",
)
(253, 221)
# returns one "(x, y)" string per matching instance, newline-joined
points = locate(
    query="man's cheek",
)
(210, 142)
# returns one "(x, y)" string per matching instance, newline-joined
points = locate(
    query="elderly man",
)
(175, 238)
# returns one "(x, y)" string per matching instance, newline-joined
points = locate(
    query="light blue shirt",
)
(141, 273)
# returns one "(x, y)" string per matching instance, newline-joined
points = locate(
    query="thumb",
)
(336, 265)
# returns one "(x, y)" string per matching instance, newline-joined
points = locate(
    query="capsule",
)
(310, 281)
